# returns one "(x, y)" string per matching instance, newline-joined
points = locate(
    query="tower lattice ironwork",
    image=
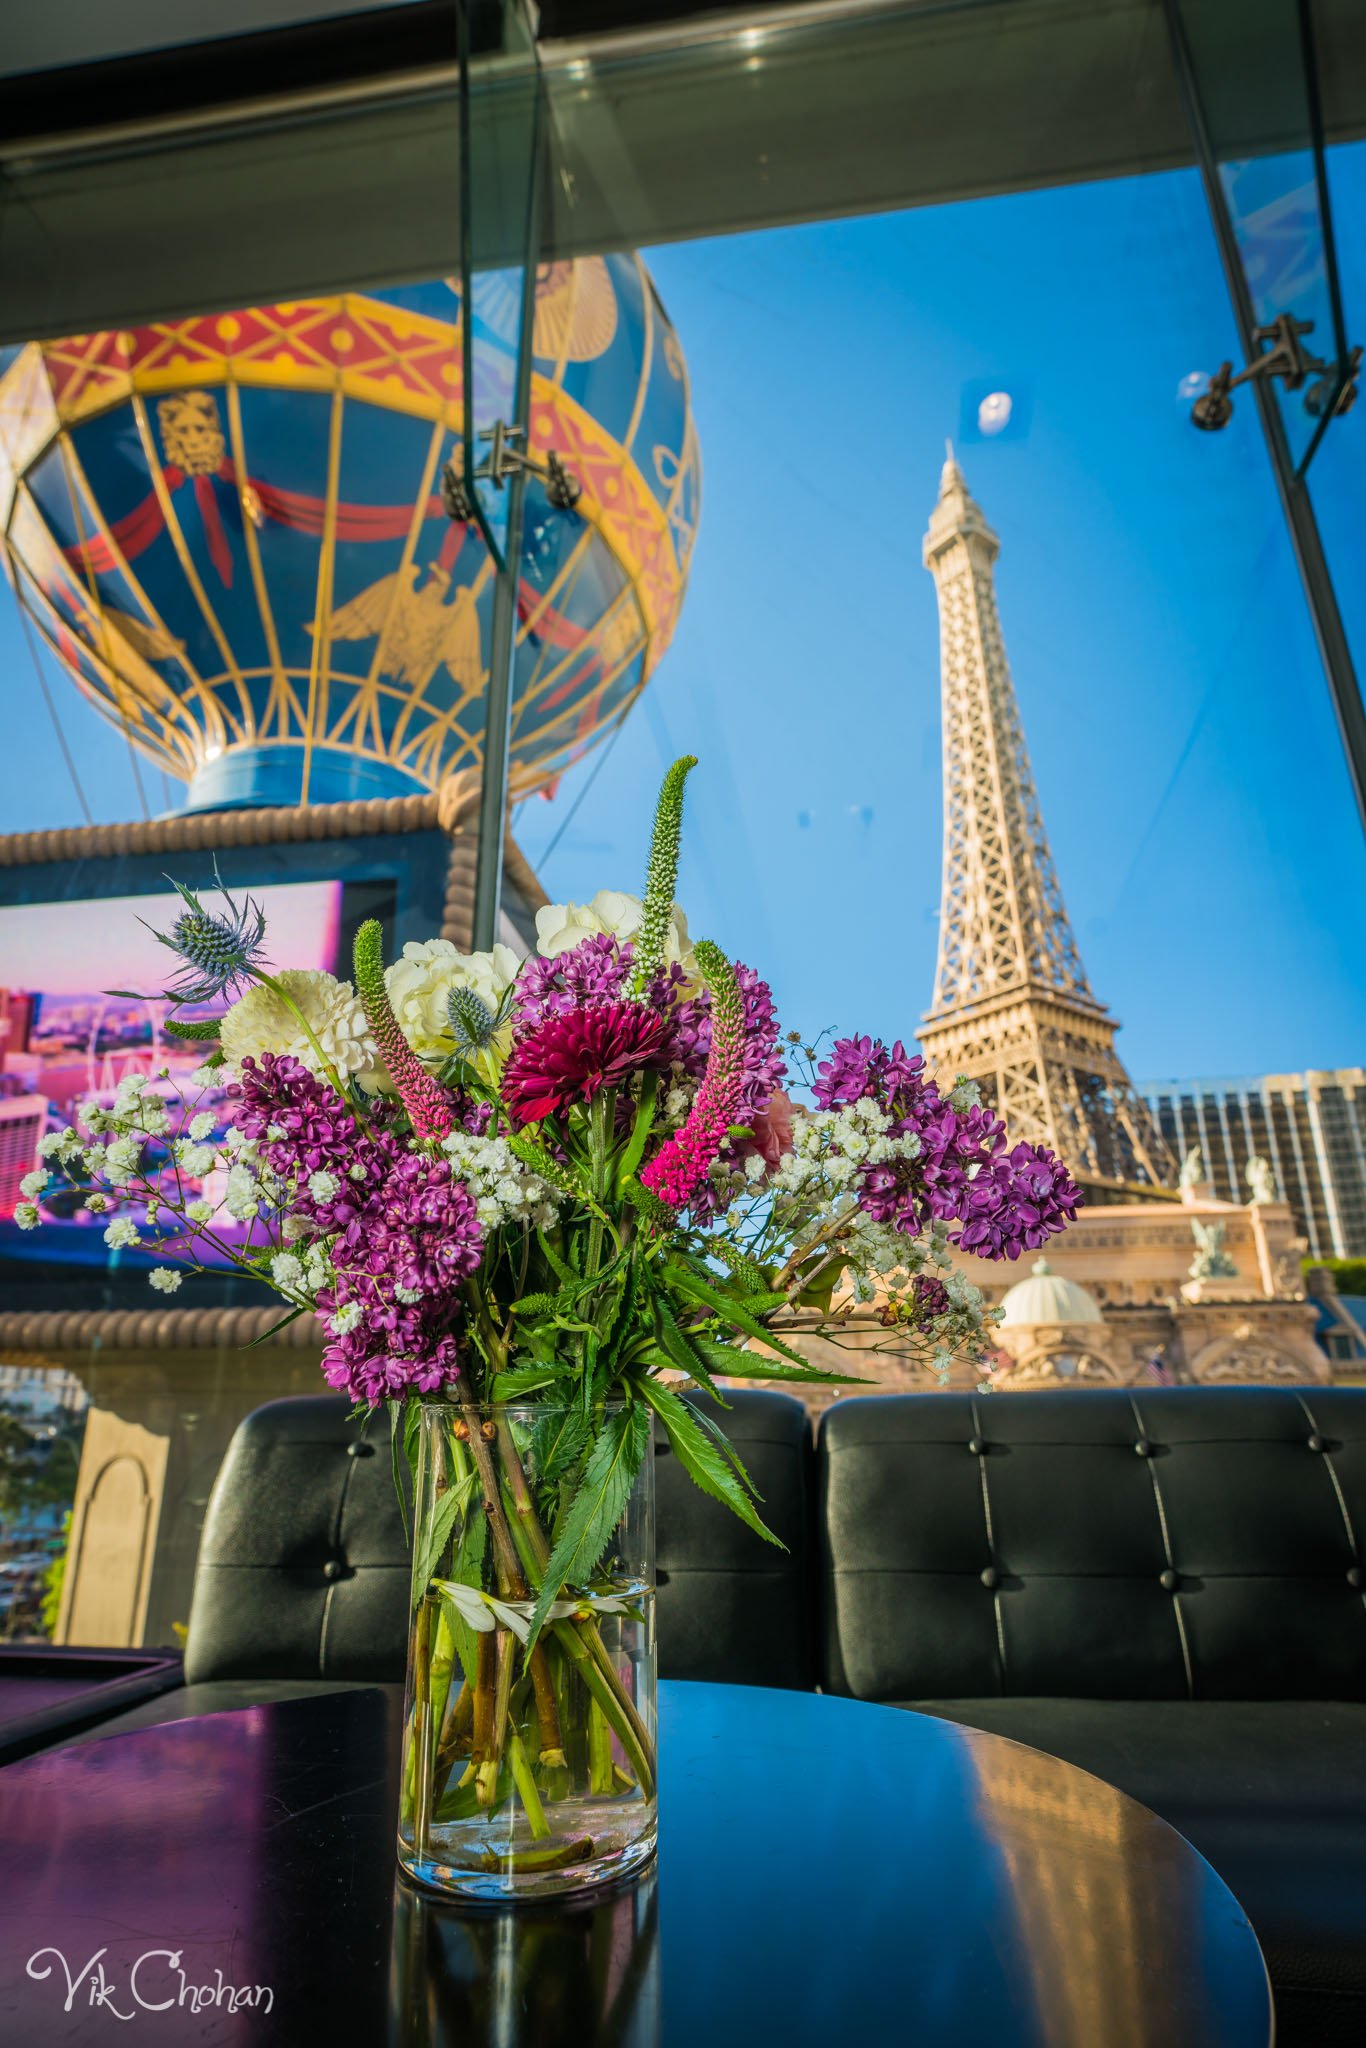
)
(1012, 1006)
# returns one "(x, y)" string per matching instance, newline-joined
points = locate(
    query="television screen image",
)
(66, 1039)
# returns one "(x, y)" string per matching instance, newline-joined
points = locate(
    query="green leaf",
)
(726, 1306)
(520, 1380)
(554, 1261)
(640, 1129)
(752, 1365)
(557, 1441)
(683, 1350)
(598, 1505)
(202, 1027)
(438, 1532)
(702, 1461)
(275, 1328)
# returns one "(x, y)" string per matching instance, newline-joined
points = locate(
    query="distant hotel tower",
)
(1012, 1006)
(1311, 1127)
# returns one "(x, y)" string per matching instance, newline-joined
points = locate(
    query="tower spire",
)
(1012, 1006)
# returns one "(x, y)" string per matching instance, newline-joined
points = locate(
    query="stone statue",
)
(1211, 1261)
(1192, 1168)
(1260, 1178)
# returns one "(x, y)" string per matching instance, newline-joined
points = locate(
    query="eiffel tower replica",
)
(1012, 1007)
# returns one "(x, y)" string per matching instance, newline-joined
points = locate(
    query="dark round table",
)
(829, 1873)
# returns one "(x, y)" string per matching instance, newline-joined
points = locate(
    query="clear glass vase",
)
(528, 1767)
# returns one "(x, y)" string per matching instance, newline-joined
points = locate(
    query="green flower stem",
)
(611, 1700)
(529, 1537)
(486, 1777)
(526, 1785)
(277, 990)
(599, 1751)
(422, 1746)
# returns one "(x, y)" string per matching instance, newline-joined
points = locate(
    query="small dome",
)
(1048, 1297)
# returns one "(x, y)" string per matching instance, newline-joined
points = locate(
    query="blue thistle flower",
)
(219, 952)
(472, 1022)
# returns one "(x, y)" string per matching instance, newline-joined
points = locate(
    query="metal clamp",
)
(503, 461)
(1283, 355)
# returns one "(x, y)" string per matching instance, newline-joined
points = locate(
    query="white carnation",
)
(562, 925)
(259, 1023)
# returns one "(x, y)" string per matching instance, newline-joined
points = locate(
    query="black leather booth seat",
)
(302, 1580)
(1165, 1588)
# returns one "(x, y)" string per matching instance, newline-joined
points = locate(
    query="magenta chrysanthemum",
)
(572, 1054)
(682, 1164)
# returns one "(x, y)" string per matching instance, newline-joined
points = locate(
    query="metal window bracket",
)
(505, 459)
(1283, 355)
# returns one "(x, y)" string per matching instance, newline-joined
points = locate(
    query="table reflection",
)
(526, 1978)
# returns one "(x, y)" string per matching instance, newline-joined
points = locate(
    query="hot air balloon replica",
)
(231, 530)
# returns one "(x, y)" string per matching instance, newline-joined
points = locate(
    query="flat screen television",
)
(74, 929)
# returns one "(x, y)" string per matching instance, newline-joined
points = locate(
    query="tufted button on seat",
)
(335, 1568)
(358, 1448)
(1316, 1442)
(976, 1446)
(991, 1578)
(1169, 1580)
(1143, 1448)
(1354, 1575)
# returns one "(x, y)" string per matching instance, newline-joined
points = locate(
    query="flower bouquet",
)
(543, 1210)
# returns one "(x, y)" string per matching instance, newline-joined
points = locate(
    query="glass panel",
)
(501, 112)
(1258, 103)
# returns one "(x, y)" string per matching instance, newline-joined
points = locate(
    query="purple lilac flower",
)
(594, 971)
(405, 1233)
(1005, 1202)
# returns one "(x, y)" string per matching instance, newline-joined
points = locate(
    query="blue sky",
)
(1177, 717)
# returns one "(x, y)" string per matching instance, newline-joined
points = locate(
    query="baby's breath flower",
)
(33, 1183)
(165, 1279)
(323, 1187)
(345, 1319)
(287, 1271)
(121, 1234)
(199, 1211)
(26, 1215)
(201, 1125)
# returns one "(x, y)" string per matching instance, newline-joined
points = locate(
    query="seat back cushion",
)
(304, 1562)
(731, 1607)
(1178, 1543)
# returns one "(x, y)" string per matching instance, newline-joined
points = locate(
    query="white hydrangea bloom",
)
(165, 1279)
(562, 925)
(259, 1023)
(419, 982)
(121, 1234)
